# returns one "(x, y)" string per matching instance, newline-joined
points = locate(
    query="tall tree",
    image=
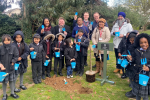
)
(142, 7)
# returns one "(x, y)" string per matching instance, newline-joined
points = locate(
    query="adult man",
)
(123, 26)
(59, 28)
(80, 26)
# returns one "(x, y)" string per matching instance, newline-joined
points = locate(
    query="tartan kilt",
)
(142, 91)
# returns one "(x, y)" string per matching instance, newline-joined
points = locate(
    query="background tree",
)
(142, 7)
(7, 25)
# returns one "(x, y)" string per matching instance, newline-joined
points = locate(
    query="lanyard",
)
(100, 32)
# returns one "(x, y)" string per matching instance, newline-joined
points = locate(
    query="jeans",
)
(139, 98)
(69, 70)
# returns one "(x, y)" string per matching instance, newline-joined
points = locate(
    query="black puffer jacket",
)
(40, 56)
(70, 53)
(138, 55)
(8, 56)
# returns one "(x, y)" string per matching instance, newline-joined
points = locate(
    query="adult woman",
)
(100, 34)
(47, 27)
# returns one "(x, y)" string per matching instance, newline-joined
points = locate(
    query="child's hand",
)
(47, 56)
(56, 49)
(76, 35)
(12, 64)
(42, 31)
(2, 67)
(79, 43)
(19, 59)
(119, 54)
(129, 57)
(31, 49)
(146, 68)
(71, 60)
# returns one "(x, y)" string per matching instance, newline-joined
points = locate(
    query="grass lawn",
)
(105, 92)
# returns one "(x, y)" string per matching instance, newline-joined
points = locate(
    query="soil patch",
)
(58, 83)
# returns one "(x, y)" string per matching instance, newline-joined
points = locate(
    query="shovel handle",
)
(6, 74)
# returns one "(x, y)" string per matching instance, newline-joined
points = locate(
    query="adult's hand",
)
(65, 33)
(121, 36)
(75, 17)
(42, 31)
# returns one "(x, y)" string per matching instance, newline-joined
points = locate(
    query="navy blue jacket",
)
(84, 28)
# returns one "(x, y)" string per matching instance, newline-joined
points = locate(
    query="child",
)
(142, 51)
(37, 62)
(121, 49)
(59, 47)
(23, 50)
(129, 46)
(47, 45)
(70, 55)
(84, 43)
(8, 57)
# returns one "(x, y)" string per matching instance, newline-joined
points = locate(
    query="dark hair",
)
(68, 41)
(6, 36)
(142, 35)
(48, 20)
(80, 30)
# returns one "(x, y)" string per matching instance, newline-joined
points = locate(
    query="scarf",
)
(47, 29)
(120, 22)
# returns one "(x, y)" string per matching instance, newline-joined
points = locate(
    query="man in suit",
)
(59, 28)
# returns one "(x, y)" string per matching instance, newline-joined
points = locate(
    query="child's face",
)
(6, 41)
(36, 40)
(131, 40)
(80, 34)
(60, 38)
(18, 38)
(144, 43)
(71, 43)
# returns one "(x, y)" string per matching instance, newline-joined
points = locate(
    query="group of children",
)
(136, 47)
(18, 51)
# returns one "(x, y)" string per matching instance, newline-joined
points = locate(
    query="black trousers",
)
(116, 54)
(36, 70)
(85, 59)
(56, 62)
(47, 69)
(80, 62)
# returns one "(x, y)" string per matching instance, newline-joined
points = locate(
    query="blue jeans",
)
(69, 70)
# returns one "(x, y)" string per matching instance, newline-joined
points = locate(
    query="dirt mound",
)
(72, 85)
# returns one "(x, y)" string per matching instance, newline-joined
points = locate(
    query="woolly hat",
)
(102, 20)
(122, 14)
